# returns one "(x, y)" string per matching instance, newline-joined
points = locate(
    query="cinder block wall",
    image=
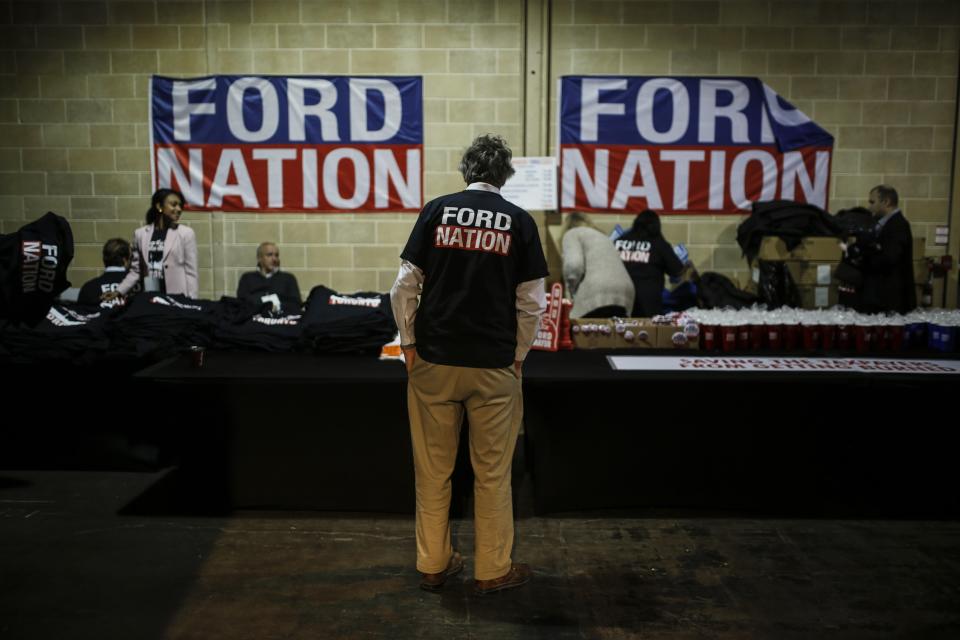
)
(74, 78)
(73, 113)
(880, 75)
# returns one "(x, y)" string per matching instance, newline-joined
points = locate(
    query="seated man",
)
(269, 284)
(116, 259)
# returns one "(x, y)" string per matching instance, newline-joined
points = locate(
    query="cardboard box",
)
(617, 336)
(819, 273)
(665, 335)
(814, 297)
(815, 249)
(807, 273)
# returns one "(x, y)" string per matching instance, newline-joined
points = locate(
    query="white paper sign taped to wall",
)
(534, 185)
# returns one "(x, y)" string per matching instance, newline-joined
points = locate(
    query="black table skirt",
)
(296, 431)
(301, 431)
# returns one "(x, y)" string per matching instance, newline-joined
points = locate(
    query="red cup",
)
(863, 338)
(743, 337)
(775, 336)
(828, 336)
(196, 356)
(896, 338)
(811, 337)
(708, 337)
(729, 338)
(884, 338)
(791, 336)
(843, 337)
(757, 332)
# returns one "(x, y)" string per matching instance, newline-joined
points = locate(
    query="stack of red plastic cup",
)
(811, 336)
(729, 337)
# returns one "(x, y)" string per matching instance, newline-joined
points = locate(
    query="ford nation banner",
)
(685, 145)
(289, 143)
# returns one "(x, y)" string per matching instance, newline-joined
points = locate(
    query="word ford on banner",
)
(685, 145)
(297, 143)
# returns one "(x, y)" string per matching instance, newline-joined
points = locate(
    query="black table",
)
(303, 431)
(778, 443)
(291, 430)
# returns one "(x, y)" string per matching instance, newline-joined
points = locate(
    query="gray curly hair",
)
(487, 159)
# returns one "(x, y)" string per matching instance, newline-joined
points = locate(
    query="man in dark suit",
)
(888, 260)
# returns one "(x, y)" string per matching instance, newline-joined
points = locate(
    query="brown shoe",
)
(518, 575)
(435, 581)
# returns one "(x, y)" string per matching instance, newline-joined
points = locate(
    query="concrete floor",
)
(72, 565)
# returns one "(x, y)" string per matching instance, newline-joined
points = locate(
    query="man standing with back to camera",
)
(477, 263)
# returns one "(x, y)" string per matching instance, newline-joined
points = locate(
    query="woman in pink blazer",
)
(165, 252)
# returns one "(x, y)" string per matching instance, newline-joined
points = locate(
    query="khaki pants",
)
(437, 396)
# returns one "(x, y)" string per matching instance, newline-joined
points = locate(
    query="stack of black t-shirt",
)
(339, 323)
(66, 333)
(247, 323)
(262, 333)
(33, 268)
(158, 325)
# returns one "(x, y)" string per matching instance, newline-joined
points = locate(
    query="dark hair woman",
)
(647, 256)
(164, 251)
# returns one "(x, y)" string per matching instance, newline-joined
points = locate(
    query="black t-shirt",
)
(33, 268)
(262, 332)
(155, 256)
(646, 259)
(91, 291)
(474, 248)
(340, 323)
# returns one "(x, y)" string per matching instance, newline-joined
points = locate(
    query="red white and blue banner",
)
(685, 145)
(289, 143)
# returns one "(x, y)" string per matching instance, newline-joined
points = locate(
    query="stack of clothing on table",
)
(360, 322)
(243, 324)
(33, 268)
(66, 333)
(161, 325)
(262, 332)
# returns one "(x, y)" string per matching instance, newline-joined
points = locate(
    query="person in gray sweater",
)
(593, 272)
